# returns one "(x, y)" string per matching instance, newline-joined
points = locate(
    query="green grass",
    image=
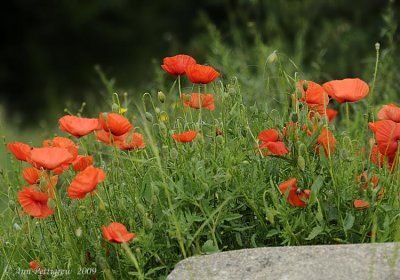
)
(214, 194)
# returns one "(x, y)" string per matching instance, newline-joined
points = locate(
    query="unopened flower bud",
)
(272, 57)
(163, 128)
(220, 140)
(301, 163)
(51, 203)
(149, 116)
(161, 96)
(102, 206)
(305, 85)
(11, 204)
(157, 110)
(78, 232)
(173, 154)
(115, 107)
(199, 139)
(377, 46)
(147, 223)
(295, 117)
(163, 117)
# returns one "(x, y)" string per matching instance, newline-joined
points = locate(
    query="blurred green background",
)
(48, 49)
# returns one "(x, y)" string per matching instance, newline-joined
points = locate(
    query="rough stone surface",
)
(379, 261)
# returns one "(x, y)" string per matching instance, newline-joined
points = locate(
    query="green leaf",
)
(209, 247)
(315, 232)
(348, 221)
(272, 232)
(316, 186)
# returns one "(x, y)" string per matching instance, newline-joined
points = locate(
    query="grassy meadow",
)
(220, 191)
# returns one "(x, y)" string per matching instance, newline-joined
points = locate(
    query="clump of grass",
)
(218, 192)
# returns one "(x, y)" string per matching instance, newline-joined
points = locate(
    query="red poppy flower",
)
(49, 157)
(361, 204)
(34, 203)
(117, 232)
(32, 175)
(331, 113)
(63, 142)
(290, 130)
(201, 74)
(206, 101)
(328, 141)
(81, 162)
(390, 112)
(268, 135)
(35, 265)
(314, 95)
(115, 123)
(85, 182)
(347, 90)
(176, 65)
(295, 195)
(363, 178)
(105, 137)
(376, 157)
(130, 141)
(78, 126)
(185, 137)
(387, 137)
(271, 143)
(20, 150)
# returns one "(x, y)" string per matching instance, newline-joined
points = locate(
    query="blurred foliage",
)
(49, 48)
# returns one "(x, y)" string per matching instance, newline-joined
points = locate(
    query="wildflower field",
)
(218, 157)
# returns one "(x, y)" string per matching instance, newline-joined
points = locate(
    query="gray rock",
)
(357, 261)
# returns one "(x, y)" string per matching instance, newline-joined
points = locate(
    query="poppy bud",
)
(78, 232)
(11, 204)
(149, 116)
(200, 139)
(254, 109)
(295, 117)
(370, 117)
(377, 46)
(301, 163)
(218, 131)
(115, 108)
(272, 57)
(163, 117)
(157, 110)
(220, 140)
(16, 226)
(163, 129)
(102, 206)
(305, 85)
(173, 154)
(147, 223)
(161, 96)
(51, 203)
(141, 209)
